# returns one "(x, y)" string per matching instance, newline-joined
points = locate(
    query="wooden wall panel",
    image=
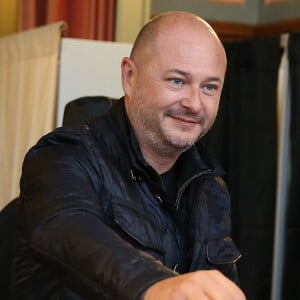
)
(235, 31)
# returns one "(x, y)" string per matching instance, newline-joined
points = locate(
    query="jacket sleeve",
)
(62, 222)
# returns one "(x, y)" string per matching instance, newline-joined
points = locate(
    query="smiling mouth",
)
(185, 120)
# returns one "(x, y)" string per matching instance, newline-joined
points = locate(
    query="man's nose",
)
(192, 100)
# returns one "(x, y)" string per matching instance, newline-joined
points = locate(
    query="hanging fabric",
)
(88, 19)
(244, 139)
(28, 88)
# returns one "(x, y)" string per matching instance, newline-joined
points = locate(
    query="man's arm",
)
(62, 222)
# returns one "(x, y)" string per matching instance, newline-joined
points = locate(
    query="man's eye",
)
(211, 87)
(177, 81)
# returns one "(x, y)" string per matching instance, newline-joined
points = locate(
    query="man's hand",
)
(200, 285)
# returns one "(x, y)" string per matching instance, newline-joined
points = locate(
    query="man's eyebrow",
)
(187, 74)
(180, 72)
(214, 79)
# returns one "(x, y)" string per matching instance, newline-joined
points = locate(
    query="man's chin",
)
(182, 144)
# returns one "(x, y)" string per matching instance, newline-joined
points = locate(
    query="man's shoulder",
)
(64, 136)
(95, 138)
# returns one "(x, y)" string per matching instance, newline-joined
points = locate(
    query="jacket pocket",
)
(137, 226)
(222, 251)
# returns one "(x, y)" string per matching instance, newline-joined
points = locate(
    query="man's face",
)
(176, 94)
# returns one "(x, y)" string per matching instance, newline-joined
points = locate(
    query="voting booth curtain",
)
(245, 139)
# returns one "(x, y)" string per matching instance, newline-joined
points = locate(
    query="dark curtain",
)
(291, 277)
(244, 139)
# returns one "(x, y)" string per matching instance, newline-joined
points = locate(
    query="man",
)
(130, 205)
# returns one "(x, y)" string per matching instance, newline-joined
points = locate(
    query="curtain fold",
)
(89, 19)
(291, 279)
(244, 139)
(28, 94)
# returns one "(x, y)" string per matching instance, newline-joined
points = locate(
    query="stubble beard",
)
(159, 138)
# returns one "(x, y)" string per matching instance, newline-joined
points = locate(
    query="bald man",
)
(130, 205)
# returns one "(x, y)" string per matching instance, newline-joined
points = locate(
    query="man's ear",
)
(128, 71)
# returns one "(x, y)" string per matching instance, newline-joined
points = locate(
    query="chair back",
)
(85, 108)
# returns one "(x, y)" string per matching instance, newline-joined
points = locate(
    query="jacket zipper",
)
(181, 190)
(178, 198)
(196, 234)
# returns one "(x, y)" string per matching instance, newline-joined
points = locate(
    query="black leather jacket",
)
(93, 219)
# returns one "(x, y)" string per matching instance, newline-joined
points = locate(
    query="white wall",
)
(89, 68)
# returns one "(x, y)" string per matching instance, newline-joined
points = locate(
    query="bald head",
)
(172, 84)
(166, 24)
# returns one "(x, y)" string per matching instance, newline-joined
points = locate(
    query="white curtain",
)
(29, 64)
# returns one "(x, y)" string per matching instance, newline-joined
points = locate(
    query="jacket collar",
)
(138, 167)
(190, 163)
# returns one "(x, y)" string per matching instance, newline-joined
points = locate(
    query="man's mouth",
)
(186, 120)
